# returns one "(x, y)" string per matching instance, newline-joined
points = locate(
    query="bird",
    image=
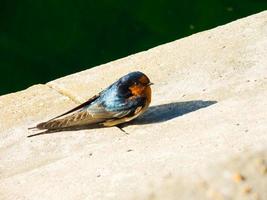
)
(121, 102)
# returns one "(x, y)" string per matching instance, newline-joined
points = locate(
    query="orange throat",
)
(148, 94)
(142, 91)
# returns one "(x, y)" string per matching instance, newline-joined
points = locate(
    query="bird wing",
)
(87, 103)
(96, 113)
(54, 122)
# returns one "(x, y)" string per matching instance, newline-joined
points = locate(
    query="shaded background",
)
(41, 40)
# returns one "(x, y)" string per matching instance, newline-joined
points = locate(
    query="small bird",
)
(121, 102)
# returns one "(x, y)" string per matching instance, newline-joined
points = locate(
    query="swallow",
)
(121, 102)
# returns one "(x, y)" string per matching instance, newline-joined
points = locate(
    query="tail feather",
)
(79, 118)
(54, 124)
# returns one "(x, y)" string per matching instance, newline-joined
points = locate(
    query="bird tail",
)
(80, 118)
(54, 124)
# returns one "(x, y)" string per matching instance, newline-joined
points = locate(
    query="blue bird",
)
(121, 102)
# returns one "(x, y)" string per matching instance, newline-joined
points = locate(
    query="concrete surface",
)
(209, 105)
(242, 177)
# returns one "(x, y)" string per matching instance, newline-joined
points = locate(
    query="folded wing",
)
(90, 113)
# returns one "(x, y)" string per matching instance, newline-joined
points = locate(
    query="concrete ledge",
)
(242, 177)
(209, 103)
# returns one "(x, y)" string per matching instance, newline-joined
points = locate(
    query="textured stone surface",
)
(209, 103)
(18, 112)
(243, 177)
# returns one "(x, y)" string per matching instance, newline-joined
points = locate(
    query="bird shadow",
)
(154, 114)
(165, 112)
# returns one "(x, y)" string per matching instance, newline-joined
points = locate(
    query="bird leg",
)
(120, 126)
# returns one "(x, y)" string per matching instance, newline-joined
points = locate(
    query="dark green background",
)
(41, 40)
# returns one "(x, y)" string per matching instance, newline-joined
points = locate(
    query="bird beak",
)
(150, 84)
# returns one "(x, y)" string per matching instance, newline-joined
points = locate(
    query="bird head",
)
(136, 82)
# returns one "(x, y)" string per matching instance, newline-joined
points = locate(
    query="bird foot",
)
(121, 128)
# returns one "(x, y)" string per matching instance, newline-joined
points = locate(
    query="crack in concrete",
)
(64, 93)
